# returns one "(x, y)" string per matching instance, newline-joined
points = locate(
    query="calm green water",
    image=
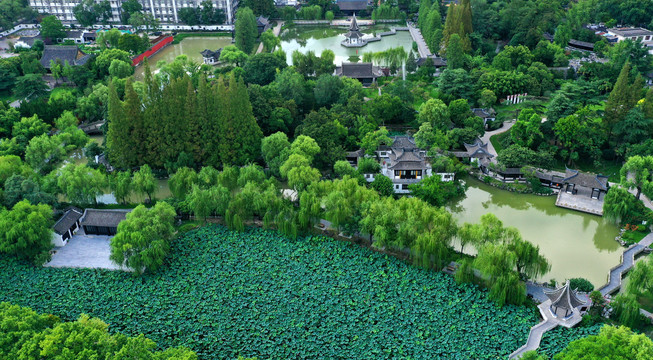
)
(576, 244)
(190, 47)
(319, 38)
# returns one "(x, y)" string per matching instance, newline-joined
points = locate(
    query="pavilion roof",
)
(586, 179)
(564, 298)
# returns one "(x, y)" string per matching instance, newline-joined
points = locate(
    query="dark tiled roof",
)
(262, 21)
(437, 61)
(357, 153)
(564, 298)
(69, 53)
(483, 113)
(211, 54)
(352, 5)
(354, 35)
(510, 171)
(74, 34)
(408, 165)
(104, 217)
(67, 220)
(581, 44)
(29, 40)
(403, 142)
(90, 35)
(357, 70)
(586, 179)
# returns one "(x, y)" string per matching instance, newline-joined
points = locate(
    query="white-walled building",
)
(66, 227)
(166, 11)
(638, 33)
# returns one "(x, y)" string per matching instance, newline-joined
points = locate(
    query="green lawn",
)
(181, 36)
(509, 112)
(225, 294)
(608, 168)
(496, 140)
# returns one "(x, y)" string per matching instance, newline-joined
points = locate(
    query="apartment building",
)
(166, 11)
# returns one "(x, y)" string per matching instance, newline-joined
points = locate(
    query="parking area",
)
(84, 251)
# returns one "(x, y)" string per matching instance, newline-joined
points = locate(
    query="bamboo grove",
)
(156, 122)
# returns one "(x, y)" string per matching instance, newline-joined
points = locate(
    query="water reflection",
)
(317, 39)
(576, 244)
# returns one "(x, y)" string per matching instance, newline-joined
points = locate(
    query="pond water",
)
(191, 47)
(319, 38)
(576, 244)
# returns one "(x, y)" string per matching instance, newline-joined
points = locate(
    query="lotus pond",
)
(258, 294)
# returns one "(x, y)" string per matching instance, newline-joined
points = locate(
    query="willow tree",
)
(618, 204)
(637, 173)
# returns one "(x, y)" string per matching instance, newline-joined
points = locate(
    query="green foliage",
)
(581, 284)
(620, 206)
(144, 182)
(437, 192)
(25, 231)
(26, 334)
(612, 342)
(246, 31)
(262, 68)
(143, 238)
(81, 184)
(383, 185)
(51, 28)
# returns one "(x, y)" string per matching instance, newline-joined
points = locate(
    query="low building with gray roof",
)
(66, 226)
(63, 53)
(103, 221)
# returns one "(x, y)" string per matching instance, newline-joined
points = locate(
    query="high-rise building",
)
(166, 11)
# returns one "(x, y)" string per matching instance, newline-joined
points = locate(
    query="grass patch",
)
(498, 140)
(181, 36)
(608, 168)
(257, 294)
(509, 112)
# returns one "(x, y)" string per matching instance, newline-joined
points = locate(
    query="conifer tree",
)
(220, 146)
(455, 53)
(246, 30)
(138, 134)
(466, 16)
(424, 11)
(622, 98)
(648, 104)
(193, 125)
(203, 101)
(118, 131)
(245, 137)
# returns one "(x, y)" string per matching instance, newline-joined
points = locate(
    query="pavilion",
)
(586, 182)
(564, 300)
(354, 38)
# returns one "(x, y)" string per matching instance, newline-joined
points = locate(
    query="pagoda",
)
(354, 38)
(563, 299)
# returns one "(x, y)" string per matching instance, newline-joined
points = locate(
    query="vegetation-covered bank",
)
(225, 294)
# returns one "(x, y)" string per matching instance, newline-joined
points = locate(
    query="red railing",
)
(151, 51)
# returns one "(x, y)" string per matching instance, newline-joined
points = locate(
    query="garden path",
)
(614, 284)
(276, 30)
(422, 48)
(486, 138)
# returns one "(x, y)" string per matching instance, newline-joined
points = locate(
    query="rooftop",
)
(70, 53)
(70, 217)
(352, 5)
(564, 298)
(357, 70)
(104, 217)
(630, 31)
(586, 179)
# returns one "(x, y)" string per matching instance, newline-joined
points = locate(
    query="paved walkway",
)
(85, 251)
(627, 262)
(550, 321)
(613, 285)
(422, 48)
(488, 134)
(276, 30)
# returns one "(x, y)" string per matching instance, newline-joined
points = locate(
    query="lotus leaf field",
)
(259, 294)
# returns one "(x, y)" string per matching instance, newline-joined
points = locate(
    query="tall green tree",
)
(622, 99)
(611, 342)
(51, 28)
(25, 231)
(637, 173)
(81, 184)
(143, 238)
(144, 182)
(246, 30)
